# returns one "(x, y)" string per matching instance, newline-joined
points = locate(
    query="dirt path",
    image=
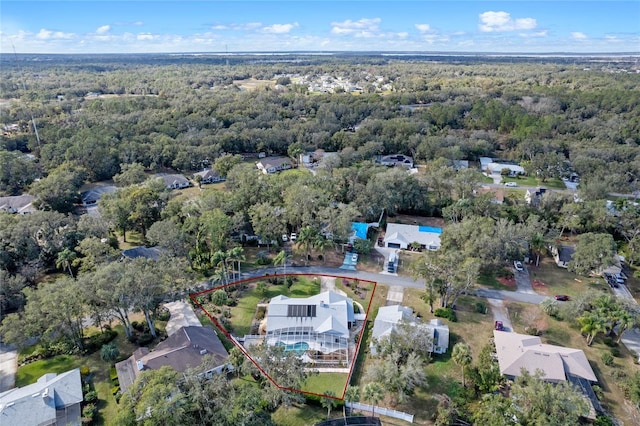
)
(500, 313)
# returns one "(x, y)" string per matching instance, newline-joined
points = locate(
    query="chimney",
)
(203, 351)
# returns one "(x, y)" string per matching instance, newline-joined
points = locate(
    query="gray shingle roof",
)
(37, 403)
(182, 350)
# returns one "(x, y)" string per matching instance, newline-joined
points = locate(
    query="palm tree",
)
(591, 324)
(322, 244)
(306, 239)
(352, 394)
(236, 358)
(234, 255)
(109, 352)
(372, 392)
(281, 259)
(328, 401)
(625, 321)
(65, 258)
(537, 243)
(461, 355)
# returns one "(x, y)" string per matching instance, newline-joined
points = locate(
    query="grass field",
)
(243, 313)
(532, 181)
(548, 279)
(299, 415)
(99, 370)
(323, 382)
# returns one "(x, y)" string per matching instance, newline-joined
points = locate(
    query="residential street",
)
(8, 367)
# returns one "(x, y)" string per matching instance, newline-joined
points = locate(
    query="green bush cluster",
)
(446, 313)
(96, 341)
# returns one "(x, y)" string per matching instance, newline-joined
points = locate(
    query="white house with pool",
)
(316, 327)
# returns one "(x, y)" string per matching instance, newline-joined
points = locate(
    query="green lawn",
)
(323, 382)
(31, 372)
(490, 279)
(558, 280)
(243, 313)
(532, 181)
(98, 369)
(299, 415)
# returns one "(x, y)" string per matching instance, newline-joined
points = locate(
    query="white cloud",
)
(280, 28)
(220, 27)
(45, 34)
(247, 26)
(364, 27)
(103, 29)
(577, 35)
(423, 28)
(536, 34)
(145, 36)
(502, 21)
(403, 34)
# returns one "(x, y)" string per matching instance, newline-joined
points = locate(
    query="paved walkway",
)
(395, 295)
(8, 367)
(182, 315)
(523, 281)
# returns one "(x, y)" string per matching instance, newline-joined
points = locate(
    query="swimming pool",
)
(298, 348)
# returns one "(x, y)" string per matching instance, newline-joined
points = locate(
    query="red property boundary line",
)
(244, 351)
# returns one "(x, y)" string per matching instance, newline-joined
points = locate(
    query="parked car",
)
(285, 238)
(562, 297)
(354, 257)
(294, 236)
(518, 265)
(511, 184)
(499, 326)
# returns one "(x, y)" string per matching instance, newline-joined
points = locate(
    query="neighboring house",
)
(272, 165)
(92, 196)
(498, 193)
(534, 196)
(389, 317)
(397, 160)
(497, 168)
(516, 352)
(18, 204)
(401, 236)
(53, 400)
(209, 176)
(311, 159)
(175, 181)
(181, 351)
(563, 255)
(557, 363)
(153, 253)
(319, 323)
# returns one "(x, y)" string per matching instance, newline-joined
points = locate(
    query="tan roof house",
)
(557, 363)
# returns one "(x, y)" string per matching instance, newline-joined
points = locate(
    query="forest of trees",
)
(148, 114)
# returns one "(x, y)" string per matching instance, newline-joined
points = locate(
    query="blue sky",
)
(136, 26)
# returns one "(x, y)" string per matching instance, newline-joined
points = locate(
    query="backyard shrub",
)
(618, 374)
(260, 312)
(164, 315)
(615, 352)
(481, 308)
(96, 341)
(89, 411)
(219, 297)
(446, 313)
(607, 359)
(145, 339)
(598, 391)
(115, 390)
(91, 396)
(84, 370)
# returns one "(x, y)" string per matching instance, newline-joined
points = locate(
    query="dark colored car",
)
(562, 297)
(499, 326)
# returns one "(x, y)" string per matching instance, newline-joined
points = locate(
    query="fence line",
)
(381, 410)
